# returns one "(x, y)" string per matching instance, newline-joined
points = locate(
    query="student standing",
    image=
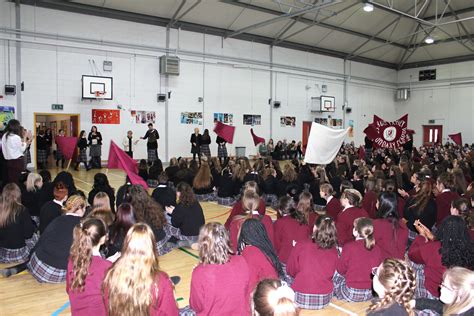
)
(13, 148)
(95, 147)
(221, 149)
(82, 146)
(59, 154)
(205, 142)
(152, 137)
(41, 150)
(196, 144)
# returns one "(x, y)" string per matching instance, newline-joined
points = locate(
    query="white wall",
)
(7, 54)
(232, 76)
(449, 100)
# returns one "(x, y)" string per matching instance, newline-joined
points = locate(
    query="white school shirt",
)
(12, 147)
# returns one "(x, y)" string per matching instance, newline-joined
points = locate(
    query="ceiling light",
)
(429, 40)
(368, 7)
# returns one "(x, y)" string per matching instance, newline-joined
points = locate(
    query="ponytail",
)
(86, 235)
(365, 229)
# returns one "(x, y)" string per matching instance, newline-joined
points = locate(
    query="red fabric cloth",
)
(287, 230)
(427, 253)
(385, 235)
(457, 138)
(333, 208)
(237, 209)
(225, 131)
(256, 140)
(312, 268)
(118, 159)
(345, 224)
(369, 203)
(260, 267)
(443, 205)
(356, 264)
(67, 145)
(388, 134)
(220, 289)
(237, 223)
(89, 302)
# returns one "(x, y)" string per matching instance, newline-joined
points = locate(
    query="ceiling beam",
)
(448, 14)
(310, 22)
(442, 61)
(173, 18)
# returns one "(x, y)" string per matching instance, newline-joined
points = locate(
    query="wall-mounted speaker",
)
(276, 104)
(348, 110)
(161, 97)
(10, 89)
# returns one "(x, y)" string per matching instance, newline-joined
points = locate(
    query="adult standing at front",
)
(152, 144)
(196, 139)
(95, 147)
(14, 144)
(41, 150)
(205, 142)
(129, 144)
(221, 149)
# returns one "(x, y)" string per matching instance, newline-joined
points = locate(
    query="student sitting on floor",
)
(250, 202)
(350, 200)
(219, 284)
(101, 200)
(290, 228)
(257, 249)
(17, 236)
(143, 169)
(306, 207)
(370, 197)
(30, 192)
(353, 282)
(269, 186)
(274, 297)
(462, 207)
(101, 184)
(238, 209)
(333, 206)
(53, 209)
(124, 219)
(312, 265)
(225, 188)
(394, 282)
(457, 294)
(86, 269)
(446, 194)
(203, 184)
(163, 194)
(135, 285)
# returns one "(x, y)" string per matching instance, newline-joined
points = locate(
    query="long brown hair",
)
(325, 234)
(423, 196)
(214, 244)
(203, 178)
(146, 209)
(86, 236)
(461, 281)
(289, 173)
(399, 281)
(10, 204)
(186, 194)
(273, 297)
(129, 281)
(305, 204)
(365, 228)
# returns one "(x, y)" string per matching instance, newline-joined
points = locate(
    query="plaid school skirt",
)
(82, 157)
(270, 199)
(59, 154)
(421, 291)
(152, 155)
(95, 150)
(41, 155)
(186, 311)
(20, 254)
(227, 201)
(45, 273)
(27, 156)
(205, 150)
(208, 197)
(343, 292)
(312, 301)
(222, 151)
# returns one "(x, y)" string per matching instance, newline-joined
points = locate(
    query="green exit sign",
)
(431, 121)
(57, 106)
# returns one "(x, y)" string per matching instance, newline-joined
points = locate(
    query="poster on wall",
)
(191, 118)
(251, 119)
(321, 120)
(105, 116)
(143, 117)
(6, 113)
(287, 121)
(225, 118)
(335, 123)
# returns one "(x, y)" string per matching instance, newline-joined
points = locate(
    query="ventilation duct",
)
(402, 94)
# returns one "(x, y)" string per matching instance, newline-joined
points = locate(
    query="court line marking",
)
(348, 312)
(189, 253)
(83, 181)
(61, 309)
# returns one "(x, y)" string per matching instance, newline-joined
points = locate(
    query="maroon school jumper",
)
(237, 223)
(356, 264)
(312, 218)
(369, 203)
(221, 289)
(260, 267)
(238, 209)
(286, 230)
(345, 223)
(163, 302)
(88, 302)
(333, 208)
(401, 206)
(312, 267)
(443, 205)
(392, 242)
(427, 253)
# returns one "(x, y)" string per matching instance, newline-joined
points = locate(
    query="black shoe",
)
(175, 279)
(7, 273)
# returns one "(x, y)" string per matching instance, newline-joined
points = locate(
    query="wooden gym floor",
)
(23, 295)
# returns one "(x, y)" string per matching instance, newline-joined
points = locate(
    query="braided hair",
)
(253, 233)
(399, 281)
(457, 248)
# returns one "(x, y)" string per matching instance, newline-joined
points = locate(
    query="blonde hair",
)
(461, 281)
(250, 201)
(399, 281)
(129, 281)
(250, 186)
(10, 204)
(327, 188)
(273, 298)
(365, 229)
(353, 196)
(214, 244)
(102, 200)
(74, 203)
(31, 182)
(104, 214)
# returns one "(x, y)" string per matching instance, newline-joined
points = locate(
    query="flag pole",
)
(68, 164)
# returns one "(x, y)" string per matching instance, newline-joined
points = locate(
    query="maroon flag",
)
(388, 134)
(118, 159)
(67, 145)
(225, 131)
(256, 140)
(457, 138)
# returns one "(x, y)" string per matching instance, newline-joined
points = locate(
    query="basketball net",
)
(99, 94)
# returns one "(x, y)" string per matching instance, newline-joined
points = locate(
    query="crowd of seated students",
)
(340, 232)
